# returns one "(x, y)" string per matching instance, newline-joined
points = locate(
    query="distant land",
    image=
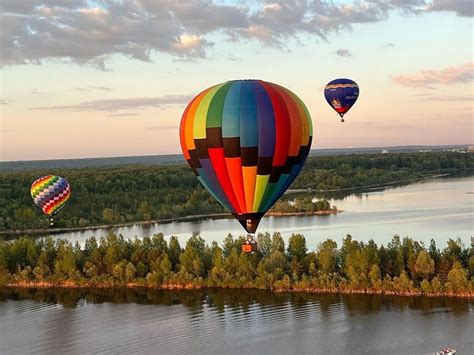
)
(178, 158)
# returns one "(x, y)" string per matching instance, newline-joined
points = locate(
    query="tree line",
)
(402, 266)
(112, 195)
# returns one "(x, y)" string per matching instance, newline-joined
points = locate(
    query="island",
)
(402, 267)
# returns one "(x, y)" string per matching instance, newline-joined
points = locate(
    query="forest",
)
(131, 193)
(403, 266)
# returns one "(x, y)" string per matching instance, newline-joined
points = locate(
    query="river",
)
(436, 208)
(229, 322)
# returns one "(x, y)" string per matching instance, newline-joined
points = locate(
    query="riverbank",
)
(196, 286)
(373, 186)
(160, 221)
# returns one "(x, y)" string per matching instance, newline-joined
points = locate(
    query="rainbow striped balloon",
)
(50, 192)
(246, 141)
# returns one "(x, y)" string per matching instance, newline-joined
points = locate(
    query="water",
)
(437, 208)
(229, 321)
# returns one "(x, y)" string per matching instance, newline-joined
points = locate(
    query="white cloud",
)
(112, 105)
(451, 75)
(343, 53)
(85, 32)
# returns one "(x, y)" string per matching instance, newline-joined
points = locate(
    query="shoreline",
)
(161, 221)
(190, 286)
(372, 187)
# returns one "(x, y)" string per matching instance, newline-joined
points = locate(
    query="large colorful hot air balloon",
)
(341, 94)
(246, 141)
(50, 192)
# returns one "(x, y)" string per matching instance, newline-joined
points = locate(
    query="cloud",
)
(464, 8)
(103, 88)
(112, 105)
(122, 114)
(388, 45)
(92, 87)
(449, 98)
(4, 102)
(343, 53)
(451, 75)
(90, 33)
(93, 32)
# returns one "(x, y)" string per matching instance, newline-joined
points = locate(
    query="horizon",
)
(88, 79)
(454, 145)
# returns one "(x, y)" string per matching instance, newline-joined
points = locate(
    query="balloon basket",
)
(248, 248)
(250, 244)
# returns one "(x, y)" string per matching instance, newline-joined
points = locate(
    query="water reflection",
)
(224, 299)
(228, 321)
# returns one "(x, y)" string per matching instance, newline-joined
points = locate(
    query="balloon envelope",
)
(50, 192)
(246, 141)
(341, 94)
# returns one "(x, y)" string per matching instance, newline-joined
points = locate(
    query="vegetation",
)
(403, 266)
(113, 195)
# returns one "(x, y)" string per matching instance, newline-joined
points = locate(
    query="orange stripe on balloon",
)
(188, 121)
(305, 119)
(216, 156)
(182, 131)
(249, 174)
(234, 167)
(295, 122)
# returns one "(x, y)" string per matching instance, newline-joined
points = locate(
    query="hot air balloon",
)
(50, 192)
(246, 141)
(341, 94)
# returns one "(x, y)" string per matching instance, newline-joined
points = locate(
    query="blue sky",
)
(83, 79)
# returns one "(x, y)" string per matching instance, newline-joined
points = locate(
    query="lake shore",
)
(196, 286)
(161, 221)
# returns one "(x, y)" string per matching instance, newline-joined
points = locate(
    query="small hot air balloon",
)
(246, 141)
(341, 94)
(50, 192)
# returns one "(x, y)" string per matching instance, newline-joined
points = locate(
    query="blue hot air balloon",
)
(341, 94)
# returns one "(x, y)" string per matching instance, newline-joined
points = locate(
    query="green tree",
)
(457, 278)
(327, 256)
(297, 247)
(65, 264)
(424, 266)
(278, 244)
(130, 271)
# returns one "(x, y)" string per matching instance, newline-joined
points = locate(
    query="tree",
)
(110, 216)
(426, 286)
(190, 262)
(327, 256)
(65, 264)
(264, 244)
(278, 244)
(174, 251)
(165, 265)
(231, 243)
(275, 264)
(424, 265)
(130, 271)
(402, 282)
(297, 247)
(375, 277)
(457, 278)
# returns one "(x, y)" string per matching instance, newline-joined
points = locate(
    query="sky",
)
(112, 78)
